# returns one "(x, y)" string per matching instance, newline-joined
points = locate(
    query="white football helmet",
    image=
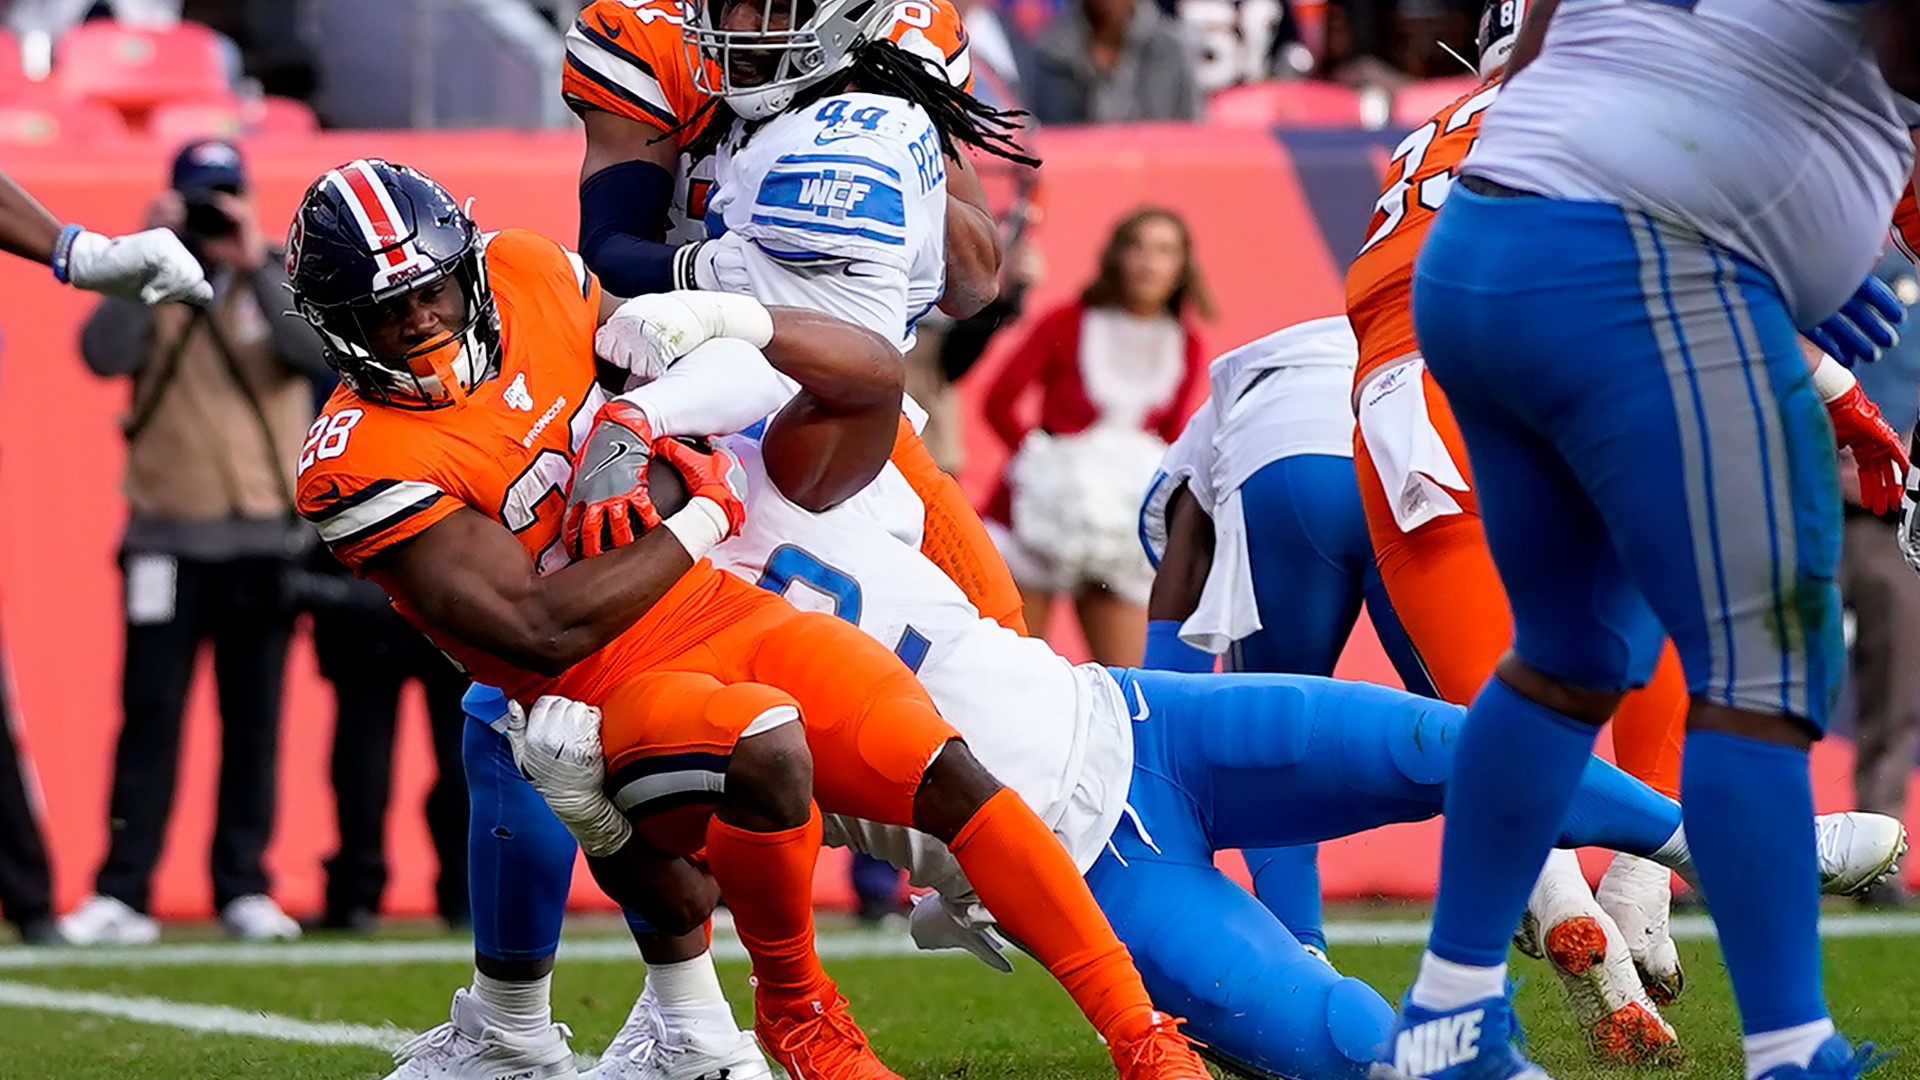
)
(761, 58)
(1499, 28)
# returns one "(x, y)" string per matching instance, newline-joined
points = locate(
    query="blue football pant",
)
(1260, 761)
(1312, 566)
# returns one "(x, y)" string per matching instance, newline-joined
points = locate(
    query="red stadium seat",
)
(177, 122)
(1415, 104)
(136, 69)
(36, 118)
(1286, 104)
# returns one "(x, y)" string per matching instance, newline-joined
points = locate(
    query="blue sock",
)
(1166, 652)
(1613, 810)
(1514, 775)
(1749, 812)
(520, 858)
(1287, 881)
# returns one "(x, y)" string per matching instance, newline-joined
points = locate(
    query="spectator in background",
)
(1113, 62)
(1116, 372)
(369, 654)
(1242, 41)
(221, 401)
(1884, 596)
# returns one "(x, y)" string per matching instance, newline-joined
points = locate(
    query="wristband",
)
(684, 262)
(62, 251)
(1831, 380)
(699, 526)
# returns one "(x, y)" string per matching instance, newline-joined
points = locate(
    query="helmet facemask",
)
(760, 55)
(435, 373)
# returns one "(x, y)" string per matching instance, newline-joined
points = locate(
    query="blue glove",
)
(1865, 328)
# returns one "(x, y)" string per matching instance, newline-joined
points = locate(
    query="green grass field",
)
(329, 1005)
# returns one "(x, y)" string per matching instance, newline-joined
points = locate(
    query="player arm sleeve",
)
(721, 387)
(359, 519)
(623, 216)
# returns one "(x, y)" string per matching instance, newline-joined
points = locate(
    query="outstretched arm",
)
(837, 433)
(469, 577)
(26, 228)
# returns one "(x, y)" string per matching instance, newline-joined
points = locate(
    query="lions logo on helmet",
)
(366, 235)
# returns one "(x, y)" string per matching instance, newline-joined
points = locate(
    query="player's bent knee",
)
(1586, 704)
(1359, 1020)
(953, 789)
(769, 780)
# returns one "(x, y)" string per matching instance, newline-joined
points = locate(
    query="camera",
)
(205, 219)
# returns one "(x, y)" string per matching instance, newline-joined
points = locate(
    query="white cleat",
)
(1857, 850)
(1638, 895)
(102, 920)
(467, 1047)
(653, 1045)
(255, 917)
(1567, 928)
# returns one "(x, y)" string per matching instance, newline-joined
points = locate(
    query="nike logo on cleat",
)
(1438, 1045)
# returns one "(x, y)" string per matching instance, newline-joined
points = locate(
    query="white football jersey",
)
(841, 207)
(1055, 733)
(1763, 124)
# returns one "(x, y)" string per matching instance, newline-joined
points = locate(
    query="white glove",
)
(153, 267)
(933, 925)
(645, 335)
(557, 747)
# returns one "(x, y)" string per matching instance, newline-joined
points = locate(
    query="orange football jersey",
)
(627, 57)
(1906, 225)
(373, 475)
(1380, 281)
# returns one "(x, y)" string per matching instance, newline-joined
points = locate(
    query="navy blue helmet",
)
(368, 233)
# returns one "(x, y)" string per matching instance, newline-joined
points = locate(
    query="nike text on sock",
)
(1443, 985)
(1787, 1046)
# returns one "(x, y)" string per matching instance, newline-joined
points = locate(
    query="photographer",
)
(369, 654)
(220, 404)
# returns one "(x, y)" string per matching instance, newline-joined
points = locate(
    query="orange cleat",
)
(1158, 1052)
(814, 1037)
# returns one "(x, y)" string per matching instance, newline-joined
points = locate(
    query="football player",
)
(1143, 774)
(1611, 299)
(1273, 444)
(438, 471)
(1423, 512)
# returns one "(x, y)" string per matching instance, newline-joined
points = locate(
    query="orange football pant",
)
(955, 539)
(1448, 595)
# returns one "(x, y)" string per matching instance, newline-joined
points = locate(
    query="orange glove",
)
(1883, 464)
(711, 474)
(608, 504)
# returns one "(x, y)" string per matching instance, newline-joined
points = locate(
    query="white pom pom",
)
(1076, 500)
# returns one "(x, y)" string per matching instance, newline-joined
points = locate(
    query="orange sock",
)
(1025, 878)
(1649, 726)
(767, 878)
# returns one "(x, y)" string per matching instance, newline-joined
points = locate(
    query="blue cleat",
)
(1481, 1041)
(1835, 1060)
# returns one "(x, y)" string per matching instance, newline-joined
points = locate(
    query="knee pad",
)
(1359, 1020)
(1421, 740)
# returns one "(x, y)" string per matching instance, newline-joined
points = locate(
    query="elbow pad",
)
(623, 208)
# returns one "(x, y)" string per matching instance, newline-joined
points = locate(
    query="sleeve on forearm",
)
(114, 339)
(623, 218)
(724, 386)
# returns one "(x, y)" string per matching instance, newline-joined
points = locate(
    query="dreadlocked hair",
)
(710, 123)
(881, 67)
(884, 68)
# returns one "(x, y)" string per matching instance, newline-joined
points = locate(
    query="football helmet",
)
(1499, 28)
(371, 231)
(795, 44)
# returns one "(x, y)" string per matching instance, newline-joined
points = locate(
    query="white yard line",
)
(225, 1020)
(219, 1019)
(833, 946)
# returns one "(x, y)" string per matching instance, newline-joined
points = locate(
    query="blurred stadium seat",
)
(31, 116)
(176, 122)
(1286, 104)
(1415, 104)
(134, 70)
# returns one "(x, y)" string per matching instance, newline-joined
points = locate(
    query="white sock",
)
(1787, 1046)
(688, 989)
(1443, 985)
(524, 1007)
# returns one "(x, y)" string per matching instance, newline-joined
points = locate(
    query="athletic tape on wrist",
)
(699, 526)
